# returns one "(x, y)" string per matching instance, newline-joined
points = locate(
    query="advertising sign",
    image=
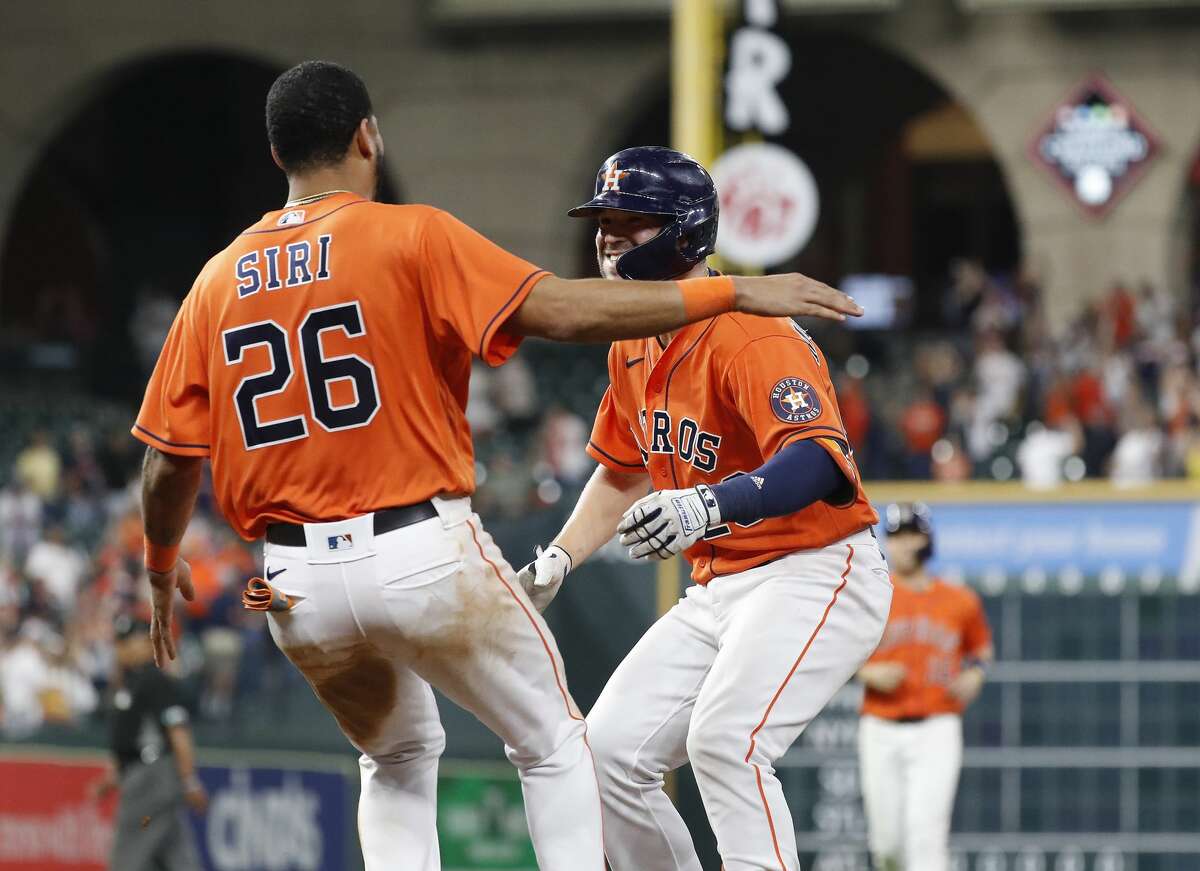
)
(47, 821)
(1094, 145)
(266, 819)
(481, 820)
(1146, 543)
(769, 204)
(769, 201)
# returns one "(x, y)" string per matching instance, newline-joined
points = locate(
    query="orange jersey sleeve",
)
(613, 443)
(472, 286)
(175, 409)
(780, 386)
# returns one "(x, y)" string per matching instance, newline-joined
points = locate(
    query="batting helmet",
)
(911, 517)
(653, 180)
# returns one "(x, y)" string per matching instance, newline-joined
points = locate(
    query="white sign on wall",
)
(769, 204)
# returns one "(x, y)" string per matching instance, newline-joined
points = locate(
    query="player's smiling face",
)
(618, 232)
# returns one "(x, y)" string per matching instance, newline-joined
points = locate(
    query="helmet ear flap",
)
(657, 260)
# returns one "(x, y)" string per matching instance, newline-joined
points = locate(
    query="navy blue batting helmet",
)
(653, 180)
(911, 517)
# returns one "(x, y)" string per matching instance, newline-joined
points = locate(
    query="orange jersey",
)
(322, 360)
(724, 397)
(929, 633)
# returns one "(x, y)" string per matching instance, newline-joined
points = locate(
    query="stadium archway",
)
(907, 179)
(155, 170)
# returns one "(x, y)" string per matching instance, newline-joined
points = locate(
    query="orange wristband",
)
(706, 297)
(160, 558)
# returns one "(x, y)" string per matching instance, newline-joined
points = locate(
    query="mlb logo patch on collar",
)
(295, 216)
(344, 541)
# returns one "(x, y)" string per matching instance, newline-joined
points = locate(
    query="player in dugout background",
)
(733, 424)
(322, 361)
(928, 668)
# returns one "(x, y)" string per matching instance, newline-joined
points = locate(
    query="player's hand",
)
(883, 677)
(162, 600)
(792, 295)
(542, 577)
(666, 522)
(195, 796)
(967, 686)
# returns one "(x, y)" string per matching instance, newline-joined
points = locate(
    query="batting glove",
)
(666, 522)
(542, 577)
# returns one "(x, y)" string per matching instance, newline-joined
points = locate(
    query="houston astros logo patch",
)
(794, 401)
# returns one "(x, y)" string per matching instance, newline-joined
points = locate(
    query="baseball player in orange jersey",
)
(321, 361)
(733, 423)
(929, 666)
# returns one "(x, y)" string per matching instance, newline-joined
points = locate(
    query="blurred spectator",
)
(40, 682)
(38, 466)
(950, 461)
(515, 395)
(482, 414)
(1118, 317)
(968, 281)
(20, 521)
(507, 491)
(58, 566)
(922, 424)
(1044, 451)
(1137, 458)
(563, 446)
(856, 411)
(998, 378)
(1191, 454)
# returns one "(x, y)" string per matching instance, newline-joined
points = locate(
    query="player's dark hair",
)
(313, 110)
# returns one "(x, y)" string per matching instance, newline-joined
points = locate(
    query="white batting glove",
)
(666, 522)
(542, 577)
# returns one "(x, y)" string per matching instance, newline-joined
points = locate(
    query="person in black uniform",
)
(153, 761)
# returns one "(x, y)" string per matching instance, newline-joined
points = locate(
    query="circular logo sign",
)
(769, 204)
(794, 401)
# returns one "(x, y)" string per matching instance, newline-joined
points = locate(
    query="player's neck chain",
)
(312, 198)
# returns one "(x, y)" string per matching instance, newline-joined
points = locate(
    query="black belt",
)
(907, 720)
(292, 534)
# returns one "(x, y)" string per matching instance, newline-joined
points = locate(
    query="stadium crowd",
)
(990, 394)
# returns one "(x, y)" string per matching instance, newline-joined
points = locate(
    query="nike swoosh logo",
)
(629, 364)
(272, 575)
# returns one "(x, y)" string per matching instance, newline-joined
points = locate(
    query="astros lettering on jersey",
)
(319, 354)
(721, 399)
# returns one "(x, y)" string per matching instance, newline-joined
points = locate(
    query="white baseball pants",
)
(379, 619)
(728, 679)
(909, 774)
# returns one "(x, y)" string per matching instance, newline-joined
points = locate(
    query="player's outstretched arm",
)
(169, 487)
(605, 498)
(599, 310)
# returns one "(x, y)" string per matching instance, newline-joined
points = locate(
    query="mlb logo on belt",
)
(345, 541)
